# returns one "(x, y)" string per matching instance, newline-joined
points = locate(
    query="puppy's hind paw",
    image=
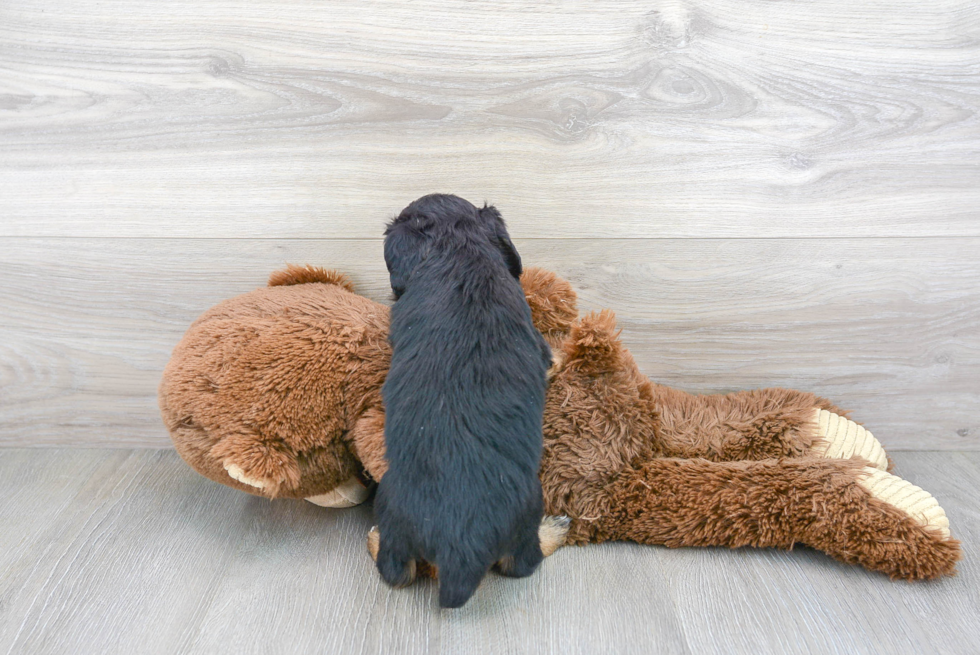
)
(422, 569)
(552, 533)
(374, 542)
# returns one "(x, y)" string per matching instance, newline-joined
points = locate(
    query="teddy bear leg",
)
(759, 424)
(855, 513)
(899, 530)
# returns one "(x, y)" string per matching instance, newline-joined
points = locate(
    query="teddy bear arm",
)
(367, 438)
(268, 465)
(553, 303)
(853, 512)
(760, 424)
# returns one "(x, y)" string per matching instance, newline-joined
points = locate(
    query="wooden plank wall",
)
(766, 193)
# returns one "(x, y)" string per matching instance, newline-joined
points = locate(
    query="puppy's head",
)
(433, 223)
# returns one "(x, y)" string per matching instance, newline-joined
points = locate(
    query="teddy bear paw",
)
(347, 494)
(917, 503)
(842, 438)
(235, 472)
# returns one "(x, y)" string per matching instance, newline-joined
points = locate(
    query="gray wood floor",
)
(126, 551)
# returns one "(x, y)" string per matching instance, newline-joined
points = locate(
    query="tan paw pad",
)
(557, 363)
(374, 542)
(347, 494)
(552, 533)
(235, 472)
(843, 439)
(902, 494)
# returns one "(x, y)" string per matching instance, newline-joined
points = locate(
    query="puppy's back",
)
(464, 398)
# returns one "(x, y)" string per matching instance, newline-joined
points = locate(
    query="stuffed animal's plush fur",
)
(463, 397)
(277, 393)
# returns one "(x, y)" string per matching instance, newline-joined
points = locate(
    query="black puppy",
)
(464, 399)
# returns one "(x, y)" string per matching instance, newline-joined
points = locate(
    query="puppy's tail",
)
(294, 274)
(458, 581)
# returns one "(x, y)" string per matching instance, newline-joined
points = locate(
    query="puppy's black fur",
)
(464, 399)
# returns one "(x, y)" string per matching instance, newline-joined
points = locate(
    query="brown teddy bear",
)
(277, 393)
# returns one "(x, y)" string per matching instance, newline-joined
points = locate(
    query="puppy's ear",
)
(404, 250)
(501, 239)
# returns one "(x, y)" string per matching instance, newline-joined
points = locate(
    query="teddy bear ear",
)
(553, 301)
(593, 346)
(295, 274)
